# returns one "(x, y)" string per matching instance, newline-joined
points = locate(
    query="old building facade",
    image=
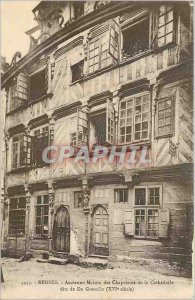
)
(102, 73)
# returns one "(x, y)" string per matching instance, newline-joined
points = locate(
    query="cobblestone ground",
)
(24, 280)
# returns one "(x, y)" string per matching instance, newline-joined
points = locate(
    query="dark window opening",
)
(17, 216)
(98, 125)
(77, 71)
(136, 38)
(40, 142)
(38, 85)
(78, 9)
(121, 196)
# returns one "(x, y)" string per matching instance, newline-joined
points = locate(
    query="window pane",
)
(140, 222)
(140, 196)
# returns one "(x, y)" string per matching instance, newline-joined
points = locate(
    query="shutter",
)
(26, 150)
(46, 78)
(114, 39)
(164, 219)
(154, 37)
(129, 221)
(110, 122)
(82, 126)
(51, 135)
(22, 87)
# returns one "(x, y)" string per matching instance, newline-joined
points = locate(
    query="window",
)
(78, 199)
(121, 195)
(17, 214)
(165, 116)
(103, 48)
(77, 71)
(136, 38)
(42, 212)
(78, 9)
(134, 119)
(21, 151)
(19, 91)
(81, 135)
(40, 142)
(165, 24)
(38, 84)
(102, 131)
(147, 202)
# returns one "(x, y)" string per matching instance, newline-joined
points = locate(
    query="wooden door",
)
(61, 231)
(99, 233)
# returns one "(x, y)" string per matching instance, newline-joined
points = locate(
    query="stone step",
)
(93, 262)
(57, 260)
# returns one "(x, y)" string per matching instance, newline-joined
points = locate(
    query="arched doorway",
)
(61, 231)
(99, 243)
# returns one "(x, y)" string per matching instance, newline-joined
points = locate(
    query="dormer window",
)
(78, 9)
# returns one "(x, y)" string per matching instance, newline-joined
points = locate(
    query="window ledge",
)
(164, 136)
(49, 95)
(29, 103)
(18, 109)
(137, 56)
(40, 238)
(18, 170)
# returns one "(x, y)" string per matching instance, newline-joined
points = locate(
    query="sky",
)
(16, 18)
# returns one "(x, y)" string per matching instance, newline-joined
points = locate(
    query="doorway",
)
(99, 232)
(61, 230)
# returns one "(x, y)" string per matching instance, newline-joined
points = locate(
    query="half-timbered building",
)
(102, 73)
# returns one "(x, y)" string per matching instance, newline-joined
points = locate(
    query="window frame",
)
(45, 81)
(34, 137)
(81, 76)
(98, 39)
(116, 195)
(133, 140)
(41, 205)
(165, 25)
(147, 207)
(172, 98)
(131, 23)
(17, 209)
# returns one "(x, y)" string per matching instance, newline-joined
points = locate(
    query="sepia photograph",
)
(96, 150)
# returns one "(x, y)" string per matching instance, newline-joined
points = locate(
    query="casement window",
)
(165, 116)
(134, 117)
(40, 142)
(147, 201)
(165, 24)
(102, 131)
(80, 137)
(136, 37)
(77, 71)
(38, 84)
(21, 151)
(147, 219)
(121, 195)
(42, 213)
(17, 212)
(19, 91)
(78, 199)
(103, 46)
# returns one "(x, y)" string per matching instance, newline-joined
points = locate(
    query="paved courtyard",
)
(33, 280)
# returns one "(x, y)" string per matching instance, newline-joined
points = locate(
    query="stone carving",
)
(15, 57)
